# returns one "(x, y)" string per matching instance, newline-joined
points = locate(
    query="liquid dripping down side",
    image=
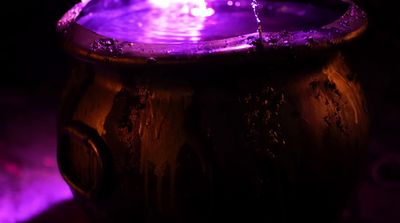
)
(256, 8)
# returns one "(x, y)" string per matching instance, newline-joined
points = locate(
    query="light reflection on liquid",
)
(188, 21)
(196, 8)
(174, 13)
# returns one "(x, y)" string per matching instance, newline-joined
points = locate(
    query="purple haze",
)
(30, 181)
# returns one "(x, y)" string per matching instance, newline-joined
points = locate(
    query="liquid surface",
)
(152, 21)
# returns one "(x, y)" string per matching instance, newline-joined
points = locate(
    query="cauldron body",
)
(269, 135)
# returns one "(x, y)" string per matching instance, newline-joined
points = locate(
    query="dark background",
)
(33, 70)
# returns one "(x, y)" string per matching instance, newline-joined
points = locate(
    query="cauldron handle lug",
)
(83, 160)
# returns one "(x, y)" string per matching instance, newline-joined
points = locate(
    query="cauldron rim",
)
(81, 42)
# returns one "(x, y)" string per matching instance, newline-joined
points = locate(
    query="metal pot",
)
(219, 130)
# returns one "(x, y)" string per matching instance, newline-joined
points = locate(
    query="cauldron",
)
(234, 129)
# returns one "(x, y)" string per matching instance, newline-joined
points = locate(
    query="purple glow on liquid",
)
(195, 8)
(189, 21)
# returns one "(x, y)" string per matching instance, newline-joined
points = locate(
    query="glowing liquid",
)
(182, 21)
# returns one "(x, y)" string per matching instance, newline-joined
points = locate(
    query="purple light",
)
(30, 187)
(197, 8)
(168, 21)
(191, 21)
(30, 182)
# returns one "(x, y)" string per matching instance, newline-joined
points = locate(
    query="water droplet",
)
(151, 60)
